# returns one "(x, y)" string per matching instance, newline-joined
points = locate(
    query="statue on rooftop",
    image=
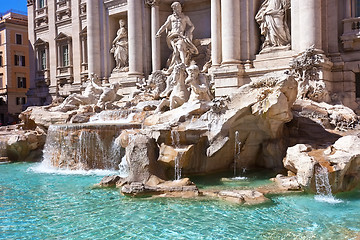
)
(272, 20)
(179, 37)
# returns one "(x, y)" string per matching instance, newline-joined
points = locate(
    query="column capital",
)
(152, 3)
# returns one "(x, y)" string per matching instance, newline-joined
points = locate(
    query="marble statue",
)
(120, 48)
(90, 96)
(180, 93)
(94, 93)
(108, 96)
(179, 37)
(272, 20)
(198, 85)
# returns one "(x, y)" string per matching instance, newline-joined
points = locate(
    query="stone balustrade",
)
(351, 35)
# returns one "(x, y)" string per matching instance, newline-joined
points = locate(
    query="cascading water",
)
(83, 147)
(175, 141)
(113, 116)
(124, 167)
(323, 187)
(237, 149)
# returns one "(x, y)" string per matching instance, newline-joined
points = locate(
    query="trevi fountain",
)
(274, 159)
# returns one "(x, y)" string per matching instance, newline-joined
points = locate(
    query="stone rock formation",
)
(142, 154)
(21, 145)
(342, 161)
(305, 68)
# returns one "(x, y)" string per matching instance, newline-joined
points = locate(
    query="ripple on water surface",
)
(37, 205)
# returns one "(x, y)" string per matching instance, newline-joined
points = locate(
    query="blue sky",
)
(6, 5)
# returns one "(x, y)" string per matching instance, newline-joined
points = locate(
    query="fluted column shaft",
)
(310, 11)
(135, 36)
(155, 42)
(230, 25)
(93, 40)
(216, 32)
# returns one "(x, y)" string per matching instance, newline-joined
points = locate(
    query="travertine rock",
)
(21, 145)
(243, 196)
(342, 161)
(142, 154)
(298, 161)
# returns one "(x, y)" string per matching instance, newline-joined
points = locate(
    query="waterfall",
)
(237, 149)
(113, 116)
(175, 142)
(124, 167)
(323, 187)
(83, 147)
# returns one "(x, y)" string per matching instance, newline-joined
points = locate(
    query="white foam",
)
(327, 199)
(44, 168)
(238, 178)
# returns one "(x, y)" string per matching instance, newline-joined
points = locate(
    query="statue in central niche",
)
(272, 20)
(179, 37)
(120, 48)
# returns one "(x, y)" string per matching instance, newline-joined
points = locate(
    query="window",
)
(41, 3)
(41, 48)
(1, 59)
(18, 39)
(19, 60)
(65, 55)
(357, 10)
(357, 84)
(21, 82)
(20, 100)
(64, 52)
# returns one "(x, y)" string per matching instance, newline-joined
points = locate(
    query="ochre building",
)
(14, 65)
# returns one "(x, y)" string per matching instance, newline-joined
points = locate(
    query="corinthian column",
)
(215, 32)
(93, 39)
(230, 26)
(310, 11)
(155, 42)
(135, 36)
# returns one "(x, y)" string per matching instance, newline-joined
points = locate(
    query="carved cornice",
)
(152, 2)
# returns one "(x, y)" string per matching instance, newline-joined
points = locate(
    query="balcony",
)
(351, 36)
(64, 75)
(82, 10)
(63, 11)
(41, 18)
(42, 77)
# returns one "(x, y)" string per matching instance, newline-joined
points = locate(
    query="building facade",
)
(14, 66)
(240, 38)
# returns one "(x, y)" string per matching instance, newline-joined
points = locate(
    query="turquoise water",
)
(37, 205)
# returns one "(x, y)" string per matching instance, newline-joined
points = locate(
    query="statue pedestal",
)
(116, 77)
(127, 81)
(227, 78)
(274, 59)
